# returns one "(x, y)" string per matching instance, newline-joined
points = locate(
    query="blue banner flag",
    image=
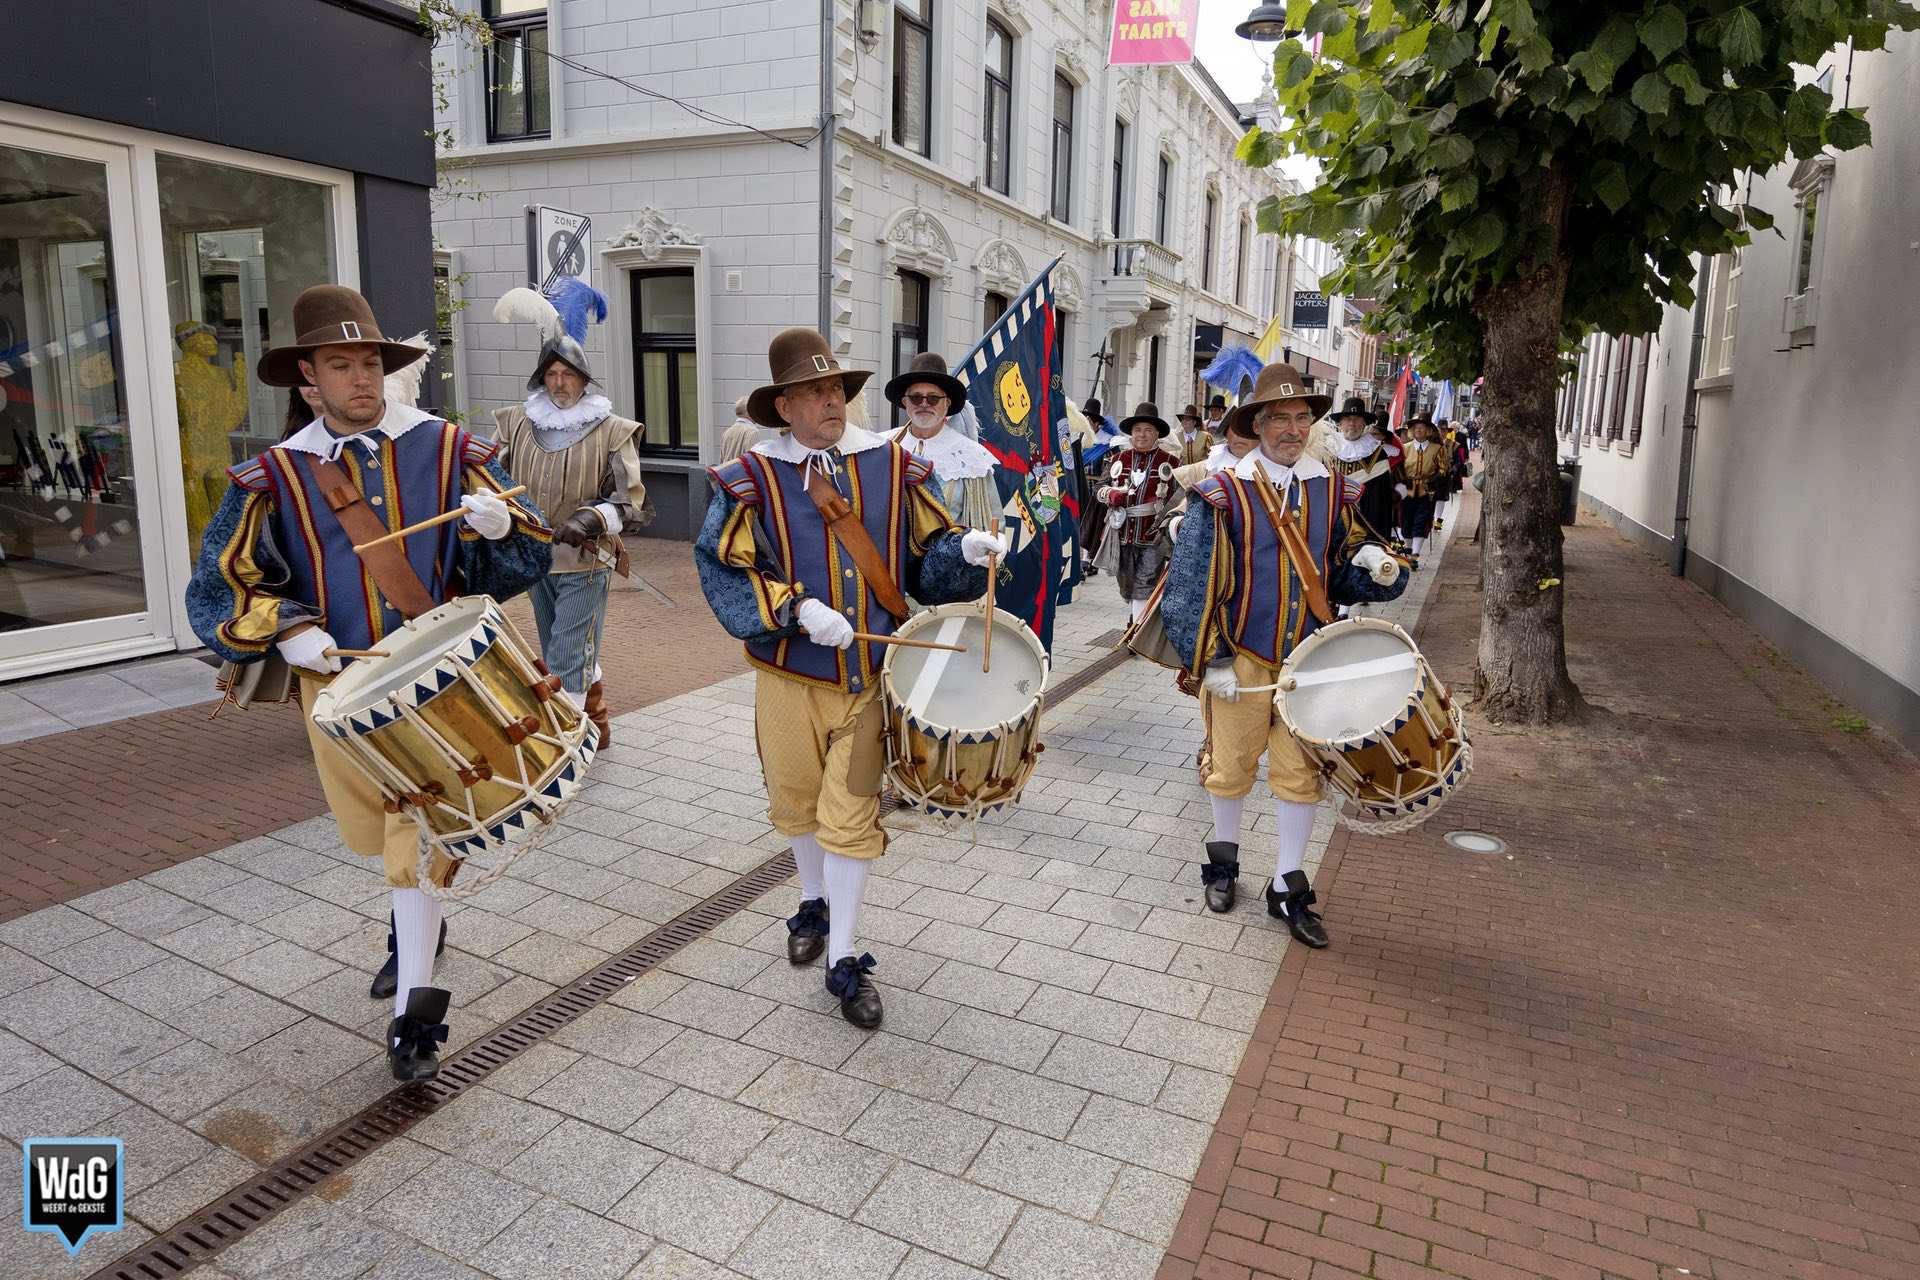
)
(1013, 382)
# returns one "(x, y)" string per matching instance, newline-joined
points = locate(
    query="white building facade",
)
(968, 143)
(1794, 500)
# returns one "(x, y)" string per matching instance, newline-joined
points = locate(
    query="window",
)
(998, 110)
(1162, 197)
(910, 293)
(913, 75)
(1624, 350)
(1211, 215)
(1811, 182)
(995, 308)
(1062, 331)
(1723, 315)
(666, 362)
(1062, 207)
(1119, 174)
(1153, 369)
(1240, 267)
(1640, 394)
(518, 85)
(447, 305)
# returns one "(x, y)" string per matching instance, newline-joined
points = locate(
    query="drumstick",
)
(1265, 688)
(993, 578)
(431, 521)
(870, 638)
(354, 653)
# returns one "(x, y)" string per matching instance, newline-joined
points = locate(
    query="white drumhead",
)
(948, 689)
(411, 652)
(1351, 677)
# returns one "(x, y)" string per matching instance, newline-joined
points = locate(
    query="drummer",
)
(1236, 603)
(796, 590)
(278, 580)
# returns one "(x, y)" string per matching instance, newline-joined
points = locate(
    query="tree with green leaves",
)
(1507, 176)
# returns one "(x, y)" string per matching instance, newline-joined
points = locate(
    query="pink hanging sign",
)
(1152, 32)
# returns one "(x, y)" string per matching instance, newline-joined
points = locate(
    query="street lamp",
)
(1266, 24)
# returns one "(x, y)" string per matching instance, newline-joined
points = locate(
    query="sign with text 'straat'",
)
(1153, 32)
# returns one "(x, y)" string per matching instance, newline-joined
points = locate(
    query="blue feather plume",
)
(1234, 365)
(579, 304)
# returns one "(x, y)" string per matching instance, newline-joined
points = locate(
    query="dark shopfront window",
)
(910, 294)
(518, 81)
(666, 363)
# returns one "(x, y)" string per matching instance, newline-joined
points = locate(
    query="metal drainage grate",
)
(255, 1202)
(1475, 842)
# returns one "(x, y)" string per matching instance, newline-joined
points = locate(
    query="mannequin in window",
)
(212, 401)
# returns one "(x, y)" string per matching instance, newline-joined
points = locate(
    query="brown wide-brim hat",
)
(929, 368)
(1278, 382)
(795, 357)
(330, 315)
(1192, 412)
(1146, 411)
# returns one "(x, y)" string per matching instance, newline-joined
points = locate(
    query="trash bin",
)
(1569, 490)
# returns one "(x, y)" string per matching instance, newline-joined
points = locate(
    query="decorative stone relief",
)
(1002, 269)
(1067, 287)
(916, 240)
(652, 231)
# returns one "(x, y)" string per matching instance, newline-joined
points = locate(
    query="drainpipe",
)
(1689, 428)
(829, 128)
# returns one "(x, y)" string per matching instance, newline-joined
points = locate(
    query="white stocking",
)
(1418, 545)
(1295, 820)
(807, 857)
(1226, 818)
(416, 934)
(1136, 608)
(846, 890)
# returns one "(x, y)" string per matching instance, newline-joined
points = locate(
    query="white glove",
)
(1383, 568)
(1221, 683)
(1173, 526)
(488, 515)
(308, 651)
(823, 625)
(1400, 489)
(977, 547)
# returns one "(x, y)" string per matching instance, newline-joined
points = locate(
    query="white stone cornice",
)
(652, 231)
(914, 239)
(1001, 268)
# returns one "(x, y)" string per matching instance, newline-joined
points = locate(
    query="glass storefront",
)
(70, 545)
(127, 335)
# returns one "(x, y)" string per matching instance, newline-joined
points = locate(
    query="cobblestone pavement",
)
(90, 808)
(1062, 1025)
(1672, 1032)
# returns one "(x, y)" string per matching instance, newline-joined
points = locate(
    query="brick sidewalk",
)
(1674, 1034)
(95, 807)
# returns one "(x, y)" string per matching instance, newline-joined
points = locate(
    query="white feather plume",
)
(403, 385)
(522, 305)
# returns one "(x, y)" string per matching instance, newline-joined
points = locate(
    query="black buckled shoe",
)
(807, 932)
(387, 981)
(1295, 906)
(1218, 873)
(414, 1038)
(859, 998)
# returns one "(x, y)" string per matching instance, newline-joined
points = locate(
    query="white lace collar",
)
(548, 416)
(1220, 459)
(315, 438)
(1354, 450)
(1418, 445)
(1307, 468)
(954, 457)
(785, 448)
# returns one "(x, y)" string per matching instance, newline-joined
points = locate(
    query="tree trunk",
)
(1522, 675)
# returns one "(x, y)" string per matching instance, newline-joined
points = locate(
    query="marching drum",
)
(962, 742)
(462, 728)
(1365, 705)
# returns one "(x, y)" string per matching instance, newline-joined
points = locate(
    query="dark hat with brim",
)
(1279, 382)
(1218, 402)
(330, 315)
(1355, 407)
(560, 349)
(796, 357)
(1419, 420)
(1191, 411)
(1147, 412)
(931, 369)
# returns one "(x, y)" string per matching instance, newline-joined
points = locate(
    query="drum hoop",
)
(486, 625)
(933, 729)
(1424, 679)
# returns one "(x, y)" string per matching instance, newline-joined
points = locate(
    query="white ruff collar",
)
(1354, 450)
(954, 457)
(584, 412)
(1307, 468)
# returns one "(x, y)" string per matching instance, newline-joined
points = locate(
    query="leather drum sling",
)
(387, 563)
(1297, 552)
(853, 539)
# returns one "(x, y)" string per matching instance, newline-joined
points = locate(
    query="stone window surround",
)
(652, 241)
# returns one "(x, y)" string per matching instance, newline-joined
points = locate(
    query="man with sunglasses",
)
(929, 396)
